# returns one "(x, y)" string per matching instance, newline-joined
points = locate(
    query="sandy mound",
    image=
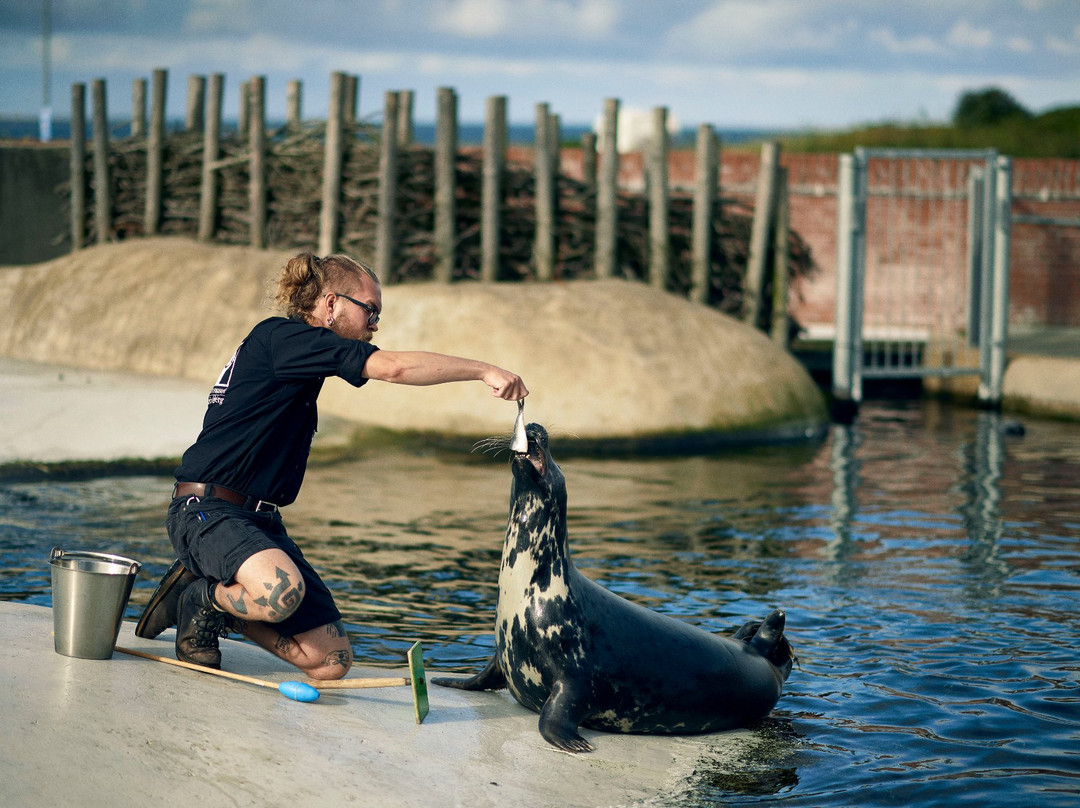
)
(603, 359)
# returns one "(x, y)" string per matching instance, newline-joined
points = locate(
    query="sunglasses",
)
(373, 313)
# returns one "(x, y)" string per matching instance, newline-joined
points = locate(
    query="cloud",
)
(487, 19)
(964, 35)
(729, 29)
(920, 44)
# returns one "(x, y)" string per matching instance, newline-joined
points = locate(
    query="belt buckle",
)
(263, 505)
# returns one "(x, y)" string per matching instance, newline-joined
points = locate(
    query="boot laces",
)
(209, 625)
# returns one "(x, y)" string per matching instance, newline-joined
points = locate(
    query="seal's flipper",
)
(559, 723)
(490, 678)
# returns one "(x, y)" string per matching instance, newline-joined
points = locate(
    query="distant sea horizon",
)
(469, 134)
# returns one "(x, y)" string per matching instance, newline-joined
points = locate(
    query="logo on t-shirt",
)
(217, 394)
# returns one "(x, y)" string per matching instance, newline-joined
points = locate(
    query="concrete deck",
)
(134, 732)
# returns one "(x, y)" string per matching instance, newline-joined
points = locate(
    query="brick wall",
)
(1045, 258)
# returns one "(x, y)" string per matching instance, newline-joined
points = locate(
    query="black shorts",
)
(213, 538)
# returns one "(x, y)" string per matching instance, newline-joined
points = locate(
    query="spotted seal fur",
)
(581, 655)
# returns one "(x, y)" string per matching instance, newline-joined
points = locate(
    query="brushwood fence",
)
(445, 213)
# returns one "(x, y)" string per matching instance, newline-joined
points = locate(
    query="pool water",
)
(927, 557)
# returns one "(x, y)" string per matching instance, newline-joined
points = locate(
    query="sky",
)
(764, 64)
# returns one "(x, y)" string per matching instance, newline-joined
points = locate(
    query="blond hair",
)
(306, 277)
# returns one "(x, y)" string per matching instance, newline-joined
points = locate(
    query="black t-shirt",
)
(262, 415)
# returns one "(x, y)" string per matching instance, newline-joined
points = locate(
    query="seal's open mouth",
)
(533, 452)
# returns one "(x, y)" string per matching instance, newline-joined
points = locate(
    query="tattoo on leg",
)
(284, 596)
(283, 645)
(237, 604)
(336, 629)
(341, 658)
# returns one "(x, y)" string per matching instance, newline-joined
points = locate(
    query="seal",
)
(580, 655)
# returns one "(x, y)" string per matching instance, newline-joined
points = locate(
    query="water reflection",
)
(927, 559)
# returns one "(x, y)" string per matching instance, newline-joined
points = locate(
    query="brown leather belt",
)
(221, 492)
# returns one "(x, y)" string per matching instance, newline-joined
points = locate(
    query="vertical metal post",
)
(990, 388)
(986, 293)
(975, 216)
(847, 342)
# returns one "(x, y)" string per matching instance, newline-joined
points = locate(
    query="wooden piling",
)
(491, 193)
(606, 210)
(405, 118)
(208, 194)
(764, 213)
(245, 110)
(332, 162)
(293, 97)
(388, 168)
(446, 145)
(155, 146)
(196, 101)
(352, 98)
(657, 171)
(102, 206)
(705, 192)
(138, 108)
(257, 147)
(588, 161)
(78, 166)
(544, 239)
(781, 256)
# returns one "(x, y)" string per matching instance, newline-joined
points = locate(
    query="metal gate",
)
(922, 267)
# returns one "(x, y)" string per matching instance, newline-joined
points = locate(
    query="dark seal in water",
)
(581, 655)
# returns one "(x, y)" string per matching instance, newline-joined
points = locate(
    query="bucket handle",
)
(56, 553)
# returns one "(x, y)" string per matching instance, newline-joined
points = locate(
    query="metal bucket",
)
(90, 593)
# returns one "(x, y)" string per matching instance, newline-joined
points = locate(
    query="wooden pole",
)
(705, 187)
(446, 144)
(138, 108)
(332, 163)
(388, 168)
(659, 249)
(78, 166)
(155, 146)
(764, 213)
(352, 98)
(405, 118)
(781, 256)
(196, 100)
(606, 211)
(491, 193)
(102, 204)
(588, 161)
(293, 96)
(257, 145)
(245, 110)
(544, 237)
(208, 195)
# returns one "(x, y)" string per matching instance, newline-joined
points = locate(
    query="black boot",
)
(199, 625)
(160, 612)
